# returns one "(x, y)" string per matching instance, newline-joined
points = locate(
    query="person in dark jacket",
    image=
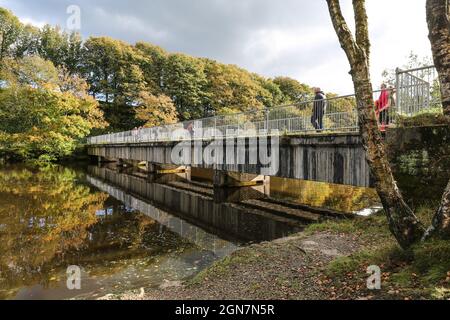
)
(318, 109)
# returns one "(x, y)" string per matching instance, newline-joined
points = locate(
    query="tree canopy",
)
(44, 112)
(134, 85)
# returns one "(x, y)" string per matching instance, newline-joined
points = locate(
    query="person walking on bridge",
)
(318, 109)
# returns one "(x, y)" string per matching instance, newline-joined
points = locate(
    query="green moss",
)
(362, 226)
(388, 256)
(403, 278)
(227, 264)
(426, 118)
(422, 271)
(432, 260)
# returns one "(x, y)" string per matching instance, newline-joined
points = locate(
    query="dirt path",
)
(288, 268)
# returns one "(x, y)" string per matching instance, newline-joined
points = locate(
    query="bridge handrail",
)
(413, 95)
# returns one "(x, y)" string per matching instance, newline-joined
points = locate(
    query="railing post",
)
(215, 126)
(398, 88)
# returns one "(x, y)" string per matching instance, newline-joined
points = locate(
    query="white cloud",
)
(289, 37)
(28, 20)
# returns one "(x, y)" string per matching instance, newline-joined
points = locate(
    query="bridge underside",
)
(338, 159)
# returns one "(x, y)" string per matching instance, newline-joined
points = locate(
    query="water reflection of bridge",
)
(215, 227)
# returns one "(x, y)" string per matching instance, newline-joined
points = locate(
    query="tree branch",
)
(362, 26)
(438, 18)
(343, 31)
(441, 221)
(403, 224)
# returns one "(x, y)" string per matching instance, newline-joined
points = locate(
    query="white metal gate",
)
(418, 91)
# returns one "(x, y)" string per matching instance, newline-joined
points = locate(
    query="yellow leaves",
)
(39, 121)
(156, 110)
(35, 189)
(34, 138)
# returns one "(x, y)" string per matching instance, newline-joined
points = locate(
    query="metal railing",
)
(334, 114)
(417, 91)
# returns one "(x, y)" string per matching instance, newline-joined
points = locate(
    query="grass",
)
(366, 227)
(421, 272)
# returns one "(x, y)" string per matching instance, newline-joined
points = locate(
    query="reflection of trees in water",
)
(43, 213)
(48, 221)
(338, 197)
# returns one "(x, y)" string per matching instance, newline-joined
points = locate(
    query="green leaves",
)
(134, 85)
(10, 28)
(156, 110)
(39, 119)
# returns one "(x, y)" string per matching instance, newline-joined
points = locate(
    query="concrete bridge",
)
(248, 148)
(331, 158)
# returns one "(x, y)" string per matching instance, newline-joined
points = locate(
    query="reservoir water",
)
(125, 231)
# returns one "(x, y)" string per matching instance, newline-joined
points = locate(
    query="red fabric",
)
(383, 102)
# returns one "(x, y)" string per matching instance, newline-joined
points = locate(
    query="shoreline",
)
(327, 261)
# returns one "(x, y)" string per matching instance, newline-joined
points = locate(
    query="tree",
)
(403, 223)
(293, 90)
(10, 29)
(230, 88)
(413, 61)
(185, 82)
(269, 94)
(43, 118)
(27, 42)
(156, 110)
(73, 57)
(438, 18)
(112, 70)
(53, 45)
(31, 71)
(152, 63)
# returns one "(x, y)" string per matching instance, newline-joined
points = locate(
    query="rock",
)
(310, 243)
(170, 284)
(331, 253)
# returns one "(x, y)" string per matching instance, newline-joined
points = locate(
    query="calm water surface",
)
(117, 229)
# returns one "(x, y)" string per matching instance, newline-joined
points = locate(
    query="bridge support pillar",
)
(224, 179)
(102, 160)
(236, 187)
(127, 163)
(159, 169)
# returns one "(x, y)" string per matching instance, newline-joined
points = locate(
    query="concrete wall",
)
(420, 159)
(336, 159)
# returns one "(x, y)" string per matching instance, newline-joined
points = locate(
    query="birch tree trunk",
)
(438, 18)
(403, 224)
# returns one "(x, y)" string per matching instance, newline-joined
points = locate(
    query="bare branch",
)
(441, 221)
(343, 32)
(362, 26)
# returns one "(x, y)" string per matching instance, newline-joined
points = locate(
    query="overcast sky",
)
(286, 37)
